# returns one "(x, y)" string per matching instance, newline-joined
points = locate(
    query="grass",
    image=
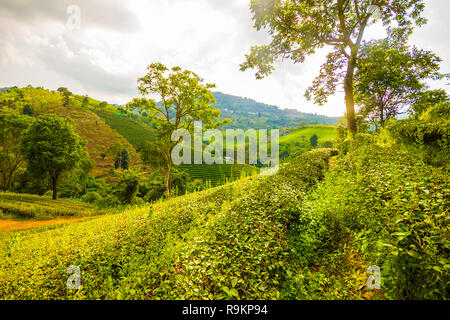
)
(33, 206)
(299, 140)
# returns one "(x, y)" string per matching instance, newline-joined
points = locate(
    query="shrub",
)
(91, 197)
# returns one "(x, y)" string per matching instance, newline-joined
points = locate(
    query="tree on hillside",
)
(299, 28)
(85, 101)
(11, 160)
(66, 96)
(28, 110)
(389, 77)
(313, 140)
(184, 97)
(51, 147)
(120, 155)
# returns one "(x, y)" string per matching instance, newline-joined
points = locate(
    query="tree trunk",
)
(168, 181)
(382, 117)
(55, 187)
(349, 101)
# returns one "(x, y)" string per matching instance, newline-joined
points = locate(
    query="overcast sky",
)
(117, 40)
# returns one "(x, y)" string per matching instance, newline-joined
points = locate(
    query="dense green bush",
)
(227, 242)
(390, 210)
(91, 197)
(430, 133)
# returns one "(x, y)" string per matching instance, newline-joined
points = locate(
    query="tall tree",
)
(299, 28)
(390, 76)
(51, 147)
(11, 160)
(184, 98)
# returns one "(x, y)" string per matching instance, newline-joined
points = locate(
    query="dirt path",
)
(8, 225)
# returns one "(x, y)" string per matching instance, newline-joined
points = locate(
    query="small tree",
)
(11, 160)
(51, 147)
(28, 110)
(184, 98)
(313, 140)
(120, 155)
(390, 76)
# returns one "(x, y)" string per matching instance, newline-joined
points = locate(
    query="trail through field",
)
(9, 225)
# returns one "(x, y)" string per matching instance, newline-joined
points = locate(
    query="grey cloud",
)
(111, 14)
(81, 69)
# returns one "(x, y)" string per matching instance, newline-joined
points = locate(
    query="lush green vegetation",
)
(370, 193)
(377, 206)
(247, 113)
(31, 206)
(227, 242)
(218, 174)
(299, 140)
(134, 131)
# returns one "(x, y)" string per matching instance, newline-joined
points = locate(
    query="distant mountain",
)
(247, 113)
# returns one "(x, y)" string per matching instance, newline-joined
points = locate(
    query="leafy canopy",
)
(390, 76)
(51, 147)
(11, 160)
(184, 98)
(299, 28)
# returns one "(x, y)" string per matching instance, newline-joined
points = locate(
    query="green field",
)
(218, 174)
(299, 140)
(132, 130)
(32, 206)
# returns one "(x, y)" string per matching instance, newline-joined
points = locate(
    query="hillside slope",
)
(98, 134)
(247, 113)
(276, 237)
(298, 140)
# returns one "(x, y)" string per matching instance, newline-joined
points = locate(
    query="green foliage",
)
(228, 242)
(218, 174)
(247, 113)
(133, 130)
(28, 110)
(30, 206)
(299, 28)
(298, 141)
(91, 197)
(383, 207)
(11, 160)
(313, 140)
(389, 76)
(51, 147)
(128, 187)
(429, 133)
(185, 98)
(425, 100)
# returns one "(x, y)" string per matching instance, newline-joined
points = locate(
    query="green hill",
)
(247, 113)
(298, 141)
